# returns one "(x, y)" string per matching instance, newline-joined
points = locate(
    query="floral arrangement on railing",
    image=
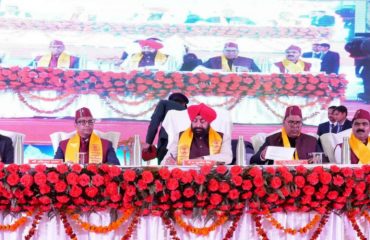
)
(220, 193)
(167, 30)
(159, 84)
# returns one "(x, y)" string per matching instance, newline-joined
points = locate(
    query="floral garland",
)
(18, 223)
(259, 228)
(102, 229)
(132, 227)
(140, 114)
(230, 232)
(115, 97)
(352, 218)
(366, 215)
(34, 224)
(310, 104)
(54, 99)
(200, 231)
(314, 221)
(322, 224)
(231, 101)
(67, 226)
(168, 224)
(67, 104)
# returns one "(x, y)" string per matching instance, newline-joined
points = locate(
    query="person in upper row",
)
(200, 140)
(230, 61)
(340, 114)
(290, 136)
(57, 58)
(329, 59)
(292, 63)
(359, 141)
(328, 127)
(85, 141)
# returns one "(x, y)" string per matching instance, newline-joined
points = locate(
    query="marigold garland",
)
(115, 97)
(51, 99)
(132, 227)
(260, 231)
(169, 225)
(35, 222)
(322, 224)
(128, 114)
(230, 102)
(314, 221)
(102, 229)
(367, 216)
(310, 104)
(230, 232)
(67, 227)
(200, 231)
(352, 218)
(19, 222)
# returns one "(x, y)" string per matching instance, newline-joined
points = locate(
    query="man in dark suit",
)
(316, 53)
(289, 136)
(6, 150)
(363, 71)
(176, 101)
(343, 123)
(329, 59)
(327, 127)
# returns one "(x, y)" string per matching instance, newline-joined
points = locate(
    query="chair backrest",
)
(177, 121)
(328, 142)
(18, 140)
(248, 151)
(60, 136)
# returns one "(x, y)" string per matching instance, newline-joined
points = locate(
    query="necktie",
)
(339, 128)
(331, 127)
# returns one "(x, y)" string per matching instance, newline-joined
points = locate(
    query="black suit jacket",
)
(311, 55)
(305, 144)
(157, 118)
(346, 125)
(330, 62)
(324, 128)
(6, 150)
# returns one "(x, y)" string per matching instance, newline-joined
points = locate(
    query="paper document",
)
(279, 153)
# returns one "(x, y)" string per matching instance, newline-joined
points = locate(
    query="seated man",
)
(150, 57)
(97, 150)
(292, 63)
(6, 150)
(290, 136)
(340, 113)
(57, 58)
(327, 127)
(230, 61)
(359, 141)
(199, 141)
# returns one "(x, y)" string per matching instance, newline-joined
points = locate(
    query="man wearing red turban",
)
(86, 146)
(359, 140)
(57, 58)
(292, 63)
(289, 136)
(200, 140)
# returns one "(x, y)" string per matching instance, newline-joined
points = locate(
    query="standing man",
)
(292, 63)
(57, 58)
(363, 71)
(289, 136)
(329, 59)
(340, 114)
(230, 61)
(96, 149)
(176, 101)
(359, 141)
(327, 127)
(315, 53)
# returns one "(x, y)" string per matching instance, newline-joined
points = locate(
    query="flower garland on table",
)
(352, 218)
(367, 216)
(316, 219)
(200, 231)
(232, 102)
(67, 104)
(34, 224)
(261, 232)
(52, 99)
(19, 222)
(322, 223)
(67, 227)
(168, 224)
(115, 97)
(140, 114)
(310, 104)
(132, 227)
(102, 229)
(232, 228)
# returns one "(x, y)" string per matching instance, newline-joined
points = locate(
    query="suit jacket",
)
(311, 55)
(346, 125)
(330, 62)
(6, 150)
(305, 144)
(109, 155)
(324, 128)
(216, 63)
(157, 118)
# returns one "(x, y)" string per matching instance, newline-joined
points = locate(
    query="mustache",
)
(360, 130)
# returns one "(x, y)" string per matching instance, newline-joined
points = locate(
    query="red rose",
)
(158, 186)
(275, 182)
(287, 176)
(187, 177)
(260, 192)
(115, 198)
(164, 173)
(72, 178)
(12, 179)
(40, 178)
(233, 194)
(273, 197)
(347, 172)
(359, 173)
(324, 189)
(62, 168)
(199, 179)
(285, 191)
(258, 181)
(76, 168)
(301, 169)
(332, 195)
(147, 176)
(45, 200)
(75, 191)
(270, 170)
(299, 181)
(205, 170)
(334, 168)
(202, 196)
(318, 169)
(114, 171)
(237, 180)
(53, 177)
(306, 199)
(188, 204)
(313, 178)
(130, 190)
(325, 178)
(235, 170)
(60, 186)
(309, 190)
(26, 180)
(112, 188)
(172, 184)
(338, 180)
(213, 185)
(221, 169)
(175, 195)
(44, 189)
(224, 187)
(189, 192)
(142, 185)
(215, 199)
(92, 168)
(12, 168)
(338, 206)
(247, 185)
(129, 175)
(97, 180)
(360, 188)
(176, 173)
(24, 168)
(83, 180)
(295, 193)
(104, 167)
(350, 182)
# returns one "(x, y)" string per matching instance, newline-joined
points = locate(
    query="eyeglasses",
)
(86, 122)
(294, 123)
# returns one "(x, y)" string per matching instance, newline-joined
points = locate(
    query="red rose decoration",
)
(24, 168)
(40, 178)
(224, 187)
(258, 181)
(299, 181)
(97, 180)
(338, 180)
(44, 189)
(247, 185)
(175, 195)
(142, 185)
(60, 186)
(172, 184)
(187, 177)
(26, 180)
(309, 190)
(325, 178)
(72, 178)
(53, 177)
(129, 175)
(260, 192)
(313, 178)
(275, 182)
(233, 194)
(131, 190)
(188, 192)
(213, 185)
(255, 171)
(221, 169)
(332, 195)
(83, 180)
(215, 199)
(75, 191)
(62, 168)
(147, 176)
(114, 171)
(205, 170)
(237, 180)
(12, 179)
(92, 168)
(158, 186)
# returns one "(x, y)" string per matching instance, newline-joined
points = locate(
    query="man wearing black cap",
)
(176, 101)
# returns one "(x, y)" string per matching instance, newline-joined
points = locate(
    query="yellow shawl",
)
(160, 59)
(361, 150)
(224, 64)
(95, 149)
(286, 143)
(64, 61)
(292, 67)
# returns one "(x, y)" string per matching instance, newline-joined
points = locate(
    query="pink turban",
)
(203, 110)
